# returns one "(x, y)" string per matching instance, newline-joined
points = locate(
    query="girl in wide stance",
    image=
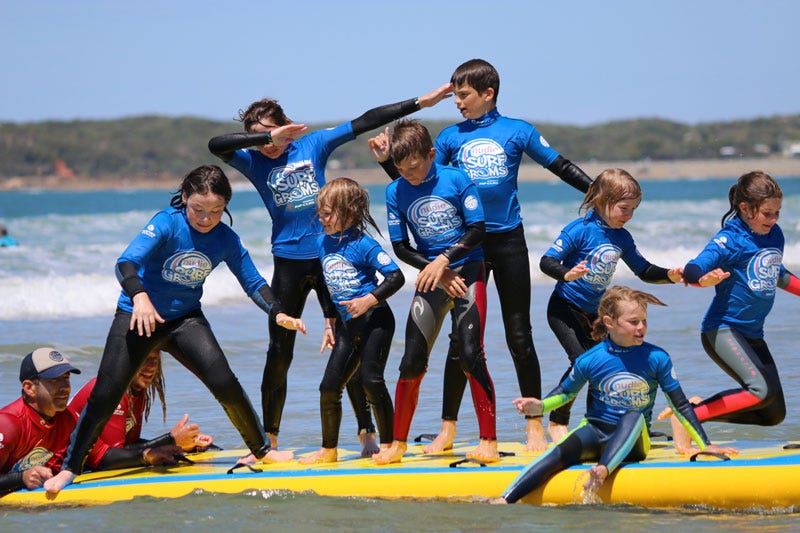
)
(162, 274)
(362, 334)
(624, 373)
(745, 262)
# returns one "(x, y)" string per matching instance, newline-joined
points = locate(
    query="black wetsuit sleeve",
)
(384, 114)
(325, 301)
(553, 267)
(10, 482)
(473, 235)
(163, 440)
(392, 282)
(122, 458)
(654, 274)
(570, 173)
(223, 146)
(266, 301)
(128, 277)
(686, 409)
(408, 255)
(692, 273)
(390, 169)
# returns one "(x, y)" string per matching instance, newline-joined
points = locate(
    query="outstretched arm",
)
(790, 283)
(570, 173)
(378, 116)
(223, 146)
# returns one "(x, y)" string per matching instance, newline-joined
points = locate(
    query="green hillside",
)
(156, 145)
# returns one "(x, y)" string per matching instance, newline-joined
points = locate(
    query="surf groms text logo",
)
(294, 186)
(341, 276)
(602, 261)
(187, 268)
(434, 218)
(484, 160)
(763, 271)
(625, 390)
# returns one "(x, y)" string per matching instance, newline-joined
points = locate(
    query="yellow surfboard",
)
(765, 475)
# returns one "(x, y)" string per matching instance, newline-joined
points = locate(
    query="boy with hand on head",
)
(441, 209)
(489, 148)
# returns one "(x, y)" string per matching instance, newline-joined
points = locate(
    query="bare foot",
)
(444, 440)
(369, 445)
(680, 437)
(536, 439)
(557, 431)
(59, 481)
(498, 501)
(597, 476)
(323, 455)
(486, 451)
(277, 456)
(393, 454)
(273, 441)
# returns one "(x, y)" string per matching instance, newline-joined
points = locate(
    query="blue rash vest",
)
(349, 266)
(755, 262)
(621, 379)
(289, 185)
(602, 246)
(174, 261)
(489, 149)
(436, 212)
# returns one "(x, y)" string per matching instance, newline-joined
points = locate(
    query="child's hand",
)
(358, 306)
(713, 278)
(291, 323)
(529, 406)
(578, 271)
(144, 316)
(380, 145)
(286, 134)
(436, 96)
(430, 276)
(675, 275)
(453, 284)
(329, 336)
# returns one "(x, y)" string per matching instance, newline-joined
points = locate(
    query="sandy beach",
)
(643, 170)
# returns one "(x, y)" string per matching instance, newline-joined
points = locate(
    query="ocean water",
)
(58, 288)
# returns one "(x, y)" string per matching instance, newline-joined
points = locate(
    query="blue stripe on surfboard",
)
(220, 477)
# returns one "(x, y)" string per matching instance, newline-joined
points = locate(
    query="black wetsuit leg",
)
(199, 351)
(760, 399)
(572, 327)
(581, 444)
(292, 280)
(362, 347)
(123, 355)
(506, 257)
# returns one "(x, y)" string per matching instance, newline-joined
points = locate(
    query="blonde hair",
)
(610, 306)
(612, 186)
(349, 201)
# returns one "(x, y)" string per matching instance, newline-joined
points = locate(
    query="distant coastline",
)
(642, 170)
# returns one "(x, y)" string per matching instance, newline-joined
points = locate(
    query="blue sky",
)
(565, 61)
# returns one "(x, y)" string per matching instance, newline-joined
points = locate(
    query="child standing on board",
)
(583, 259)
(745, 262)
(362, 334)
(288, 176)
(441, 209)
(623, 373)
(489, 147)
(162, 272)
